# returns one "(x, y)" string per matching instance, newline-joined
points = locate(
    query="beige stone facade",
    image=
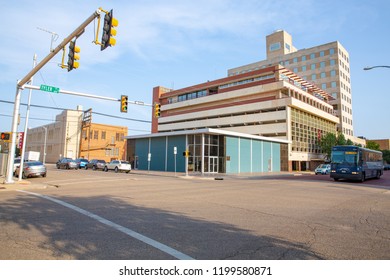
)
(62, 137)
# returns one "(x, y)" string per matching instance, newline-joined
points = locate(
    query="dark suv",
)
(96, 164)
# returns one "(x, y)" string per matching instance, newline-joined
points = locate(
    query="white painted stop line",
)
(129, 232)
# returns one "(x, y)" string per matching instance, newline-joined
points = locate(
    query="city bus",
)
(355, 163)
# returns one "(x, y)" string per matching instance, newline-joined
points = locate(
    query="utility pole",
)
(26, 124)
(21, 84)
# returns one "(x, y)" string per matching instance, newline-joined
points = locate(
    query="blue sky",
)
(179, 43)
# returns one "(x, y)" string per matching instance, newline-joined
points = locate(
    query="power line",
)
(97, 113)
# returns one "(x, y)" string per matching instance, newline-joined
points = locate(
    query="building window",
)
(103, 135)
(322, 53)
(323, 75)
(295, 69)
(287, 46)
(333, 73)
(313, 66)
(96, 134)
(303, 57)
(312, 56)
(304, 68)
(333, 84)
(274, 46)
(331, 51)
(332, 62)
(295, 60)
(323, 86)
(322, 64)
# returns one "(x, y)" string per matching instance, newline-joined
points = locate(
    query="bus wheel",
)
(363, 177)
(336, 179)
(378, 174)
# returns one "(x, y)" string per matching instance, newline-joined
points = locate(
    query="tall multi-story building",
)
(327, 66)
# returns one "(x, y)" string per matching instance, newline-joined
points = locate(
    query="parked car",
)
(96, 164)
(67, 163)
(32, 169)
(16, 164)
(386, 166)
(117, 166)
(82, 162)
(322, 169)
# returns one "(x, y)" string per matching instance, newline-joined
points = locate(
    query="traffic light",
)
(73, 56)
(5, 136)
(124, 103)
(109, 31)
(157, 110)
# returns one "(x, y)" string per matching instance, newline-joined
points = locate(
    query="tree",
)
(372, 145)
(326, 143)
(386, 156)
(341, 140)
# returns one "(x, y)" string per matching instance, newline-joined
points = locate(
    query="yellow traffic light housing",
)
(73, 56)
(157, 110)
(109, 31)
(124, 100)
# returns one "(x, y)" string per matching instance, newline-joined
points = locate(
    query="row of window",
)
(94, 134)
(202, 93)
(306, 129)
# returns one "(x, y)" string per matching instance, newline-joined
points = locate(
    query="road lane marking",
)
(129, 232)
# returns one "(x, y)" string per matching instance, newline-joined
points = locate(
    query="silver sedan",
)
(32, 169)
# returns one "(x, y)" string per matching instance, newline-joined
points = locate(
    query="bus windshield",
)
(349, 157)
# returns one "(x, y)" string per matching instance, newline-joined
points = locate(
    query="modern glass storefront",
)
(210, 151)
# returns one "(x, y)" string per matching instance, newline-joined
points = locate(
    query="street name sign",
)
(50, 88)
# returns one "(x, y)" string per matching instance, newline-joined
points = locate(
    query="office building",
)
(271, 102)
(327, 66)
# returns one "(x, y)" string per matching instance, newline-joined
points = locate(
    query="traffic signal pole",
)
(21, 84)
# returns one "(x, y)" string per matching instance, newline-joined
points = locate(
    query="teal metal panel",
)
(245, 155)
(180, 143)
(275, 157)
(257, 165)
(142, 150)
(232, 153)
(157, 150)
(267, 165)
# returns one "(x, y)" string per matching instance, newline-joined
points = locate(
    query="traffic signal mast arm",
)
(90, 95)
(76, 32)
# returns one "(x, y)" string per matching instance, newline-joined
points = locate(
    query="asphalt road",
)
(85, 214)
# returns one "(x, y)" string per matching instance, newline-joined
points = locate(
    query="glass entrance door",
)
(213, 164)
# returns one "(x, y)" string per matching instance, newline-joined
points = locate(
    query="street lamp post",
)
(372, 67)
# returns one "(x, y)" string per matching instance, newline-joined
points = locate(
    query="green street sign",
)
(50, 88)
